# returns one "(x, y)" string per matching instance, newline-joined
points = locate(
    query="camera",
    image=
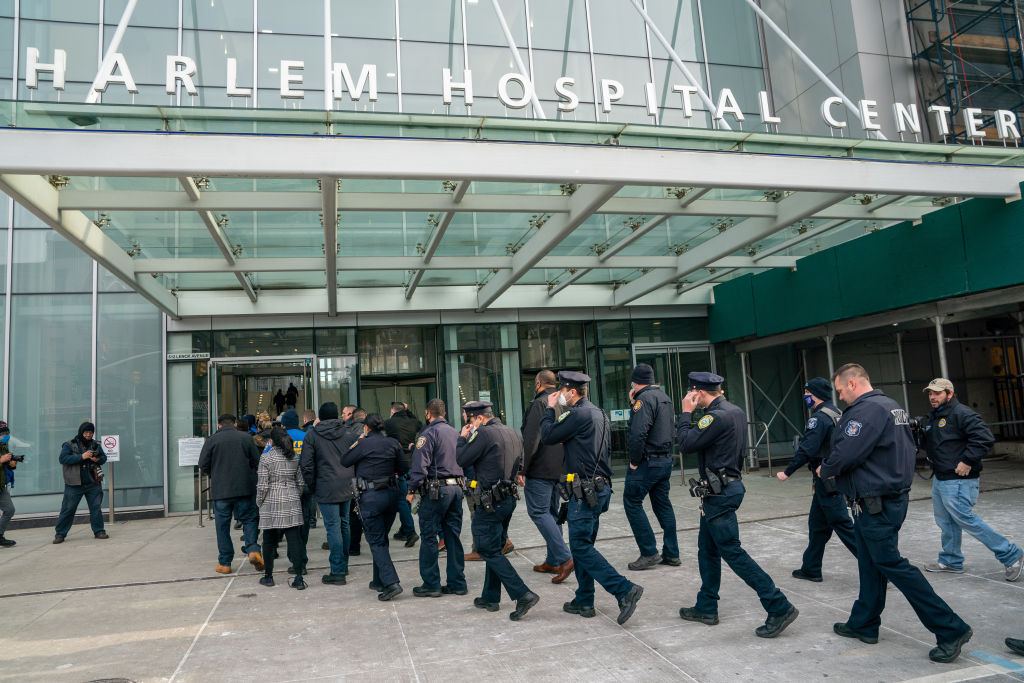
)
(917, 431)
(17, 458)
(699, 489)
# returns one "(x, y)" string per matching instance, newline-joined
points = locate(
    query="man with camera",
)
(81, 458)
(828, 508)
(8, 463)
(720, 438)
(956, 439)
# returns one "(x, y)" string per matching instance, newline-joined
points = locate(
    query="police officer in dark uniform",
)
(437, 478)
(584, 432)
(872, 459)
(649, 445)
(719, 438)
(828, 507)
(495, 452)
(378, 460)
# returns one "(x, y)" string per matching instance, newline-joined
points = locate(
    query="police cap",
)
(474, 408)
(706, 381)
(573, 380)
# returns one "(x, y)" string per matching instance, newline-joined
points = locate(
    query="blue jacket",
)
(816, 441)
(956, 434)
(719, 438)
(433, 456)
(872, 451)
(650, 425)
(585, 433)
(494, 451)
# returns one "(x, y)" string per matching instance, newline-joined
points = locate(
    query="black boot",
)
(6, 542)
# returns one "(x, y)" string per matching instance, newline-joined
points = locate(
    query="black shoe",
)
(376, 587)
(773, 626)
(693, 614)
(298, 583)
(1015, 645)
(291, 570)
(945, 653)
(390, 592)
(424, 592)
(102, 535)
(671, 561)
(411, 539)
(627, 603)
(324, 546)
(399, 536)
(267, 581)
(483, 604)
(6, 542)
(448, 590)
(644, 562)
(801, 574)
(335, 579)
(353, 552)
(523, 605)
(846, 632)
(238, 525)
(586, 611)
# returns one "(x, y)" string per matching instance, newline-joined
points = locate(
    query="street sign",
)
(112, 447)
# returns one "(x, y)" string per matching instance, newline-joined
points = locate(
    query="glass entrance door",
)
(249, 386)
(337, 380)
(672, 363)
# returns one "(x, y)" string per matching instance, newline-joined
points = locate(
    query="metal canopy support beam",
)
(585, 201)
(792, 209)
(710, 277)
(39, 197)
(940, 340)
(831, 363)
(793, 241)
(329, 192)
(435, 239)
(221, 239)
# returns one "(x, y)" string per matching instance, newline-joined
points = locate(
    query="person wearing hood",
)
(331, 485)
(81, 458)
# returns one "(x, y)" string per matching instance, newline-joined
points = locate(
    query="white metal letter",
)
(568, 99)
(466, 86)
(1006, 124)
(941, 117)
(33, 67)
(727, 105)
(107, 76)
(287, 78)
(869, 114)
(233, 89)
(508, 100)
(611, 91)
(341, 75)
(185, 74)
(907, 117)
(826, 112)
(651, 94)
(687, 91)
(972, 122)
(766, 109)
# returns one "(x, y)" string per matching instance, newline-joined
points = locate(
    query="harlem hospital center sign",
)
(517, 91)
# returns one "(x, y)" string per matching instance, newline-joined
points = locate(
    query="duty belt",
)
(449, 481)
(365, 485)
(651, 456)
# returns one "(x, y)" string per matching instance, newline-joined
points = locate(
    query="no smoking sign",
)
(112, 447)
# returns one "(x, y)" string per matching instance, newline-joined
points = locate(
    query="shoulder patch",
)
(637, 405)
(812, 423)
(471, 437)
(563, 416)
(853, 428)
(705, 421)
(942, 422)
(354, 444)
(420, 442)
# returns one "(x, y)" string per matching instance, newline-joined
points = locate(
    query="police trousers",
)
(828, 513)
(652, 477)
(490, 531)
(442, 518)
(377, 510)
(588, 564)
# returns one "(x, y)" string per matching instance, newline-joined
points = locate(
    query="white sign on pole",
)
(112, 447)
(620, 415)
(188, 451)
(485, 396)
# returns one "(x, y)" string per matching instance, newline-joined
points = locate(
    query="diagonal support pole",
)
(435, 239)
(220, 237)
(329, 197)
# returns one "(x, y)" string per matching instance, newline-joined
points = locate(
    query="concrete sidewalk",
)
(146, 605)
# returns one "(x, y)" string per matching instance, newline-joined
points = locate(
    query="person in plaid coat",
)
(279, 496)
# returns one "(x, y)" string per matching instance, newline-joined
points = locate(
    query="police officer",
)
(649, 445)
(377, 460)
(437, 477)
(719, 439)
(872, 459)
(584, 432)
(956, 439)
(495, 452)
(828, 508)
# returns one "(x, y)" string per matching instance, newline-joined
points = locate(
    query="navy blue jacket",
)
(650, 425)
(375, 457)
(872, 451)
(325, 476)
(433, 456)
(494, 451)
(816, 441)
(719, 438)
(584, 431)
(956, 434)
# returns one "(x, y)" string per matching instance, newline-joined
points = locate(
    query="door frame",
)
(687, 346)
(310, 361)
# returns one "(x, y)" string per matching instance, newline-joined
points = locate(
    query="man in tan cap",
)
(956, 439)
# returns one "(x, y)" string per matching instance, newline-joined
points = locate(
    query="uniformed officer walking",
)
(437, 478)
(828, 507)
(872, 459)
(719, 439)
(956, 439)
(649, 446)
(495, 452)
(584, 431)
(378, 460)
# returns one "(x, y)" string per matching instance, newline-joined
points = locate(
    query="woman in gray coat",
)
(279, 496)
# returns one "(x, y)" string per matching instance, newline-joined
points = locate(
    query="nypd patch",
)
(564, 415)
(471, 437)
(637, 405)
(705, 421)
(420, 442)
(853, 428)
(812, 423)
(942, 422)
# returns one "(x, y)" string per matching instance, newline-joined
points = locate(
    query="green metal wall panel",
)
(732, 315)
(994, 240)
(790, 299)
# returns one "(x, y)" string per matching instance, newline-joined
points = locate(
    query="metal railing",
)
(208, 508)
(753, 461)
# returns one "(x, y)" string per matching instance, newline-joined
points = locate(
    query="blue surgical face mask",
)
(809, 400)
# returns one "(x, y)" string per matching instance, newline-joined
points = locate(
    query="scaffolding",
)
(968, 54)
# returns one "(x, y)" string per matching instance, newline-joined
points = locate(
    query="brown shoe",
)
(58, 539)
(508, 547)
(102, 535)
(223, 569)
(545, 568)
(472, 557)
(257, 561)
(563, 572)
